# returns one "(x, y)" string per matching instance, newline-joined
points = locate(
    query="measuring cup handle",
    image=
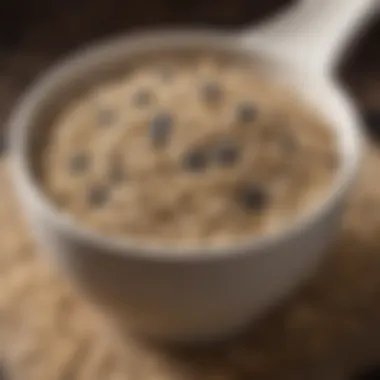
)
(313, 33)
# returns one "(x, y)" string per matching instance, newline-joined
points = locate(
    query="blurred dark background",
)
(79, 20)
(34, 34)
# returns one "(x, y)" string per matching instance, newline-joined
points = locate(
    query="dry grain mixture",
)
(187, 148)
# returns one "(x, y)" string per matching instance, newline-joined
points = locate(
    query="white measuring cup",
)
(191, 294)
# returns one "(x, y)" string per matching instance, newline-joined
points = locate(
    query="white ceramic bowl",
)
(181, 294)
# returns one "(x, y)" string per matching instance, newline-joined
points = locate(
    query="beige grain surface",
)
(283, 149)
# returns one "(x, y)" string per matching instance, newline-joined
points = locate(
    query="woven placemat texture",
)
(326, 331)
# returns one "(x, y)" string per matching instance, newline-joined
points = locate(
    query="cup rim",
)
(25, 112)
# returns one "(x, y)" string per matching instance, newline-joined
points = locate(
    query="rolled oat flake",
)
(166, 73)
(246, 113)
(4, 375)
(106, 117)
(98, 195)
(252, 197)
(211, 91)
(78, 163)
(160, 129)
(116, 172)
(142, 98)
(226, 153)
(194, 160)
(288, 143)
